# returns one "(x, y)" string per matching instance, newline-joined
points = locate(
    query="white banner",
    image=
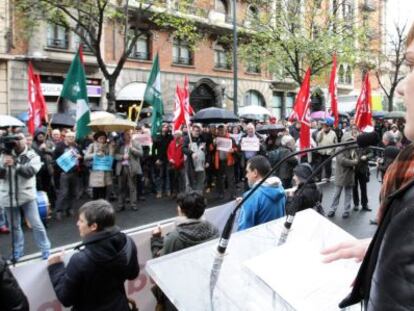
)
(224, 144)
(250, 144)
(34, 278)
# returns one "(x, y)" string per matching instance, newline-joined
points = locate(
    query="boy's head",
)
(191, 204)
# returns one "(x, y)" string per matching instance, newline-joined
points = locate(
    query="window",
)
(277, 104)
(221, 57)
(78, 41)
(253, 67)
(290, 101)
(221, 6)
(348, 75)
(141, 49)
(57, 37)
(182, 53)
(254, 98)
(341, 74)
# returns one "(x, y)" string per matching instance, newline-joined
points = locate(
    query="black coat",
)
(385, 278)
(12, 297)
(160, 146)
(94, 277)
(308, 198)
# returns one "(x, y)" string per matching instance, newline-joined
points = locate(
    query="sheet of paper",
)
(298, 275)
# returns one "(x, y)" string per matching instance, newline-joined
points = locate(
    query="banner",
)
(250, 144)
(102, 163)
(224, 144)
(67, 160)
(33, 277)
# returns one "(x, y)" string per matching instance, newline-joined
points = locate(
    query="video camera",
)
(8, 142)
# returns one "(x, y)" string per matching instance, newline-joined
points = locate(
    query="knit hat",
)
(303, 171)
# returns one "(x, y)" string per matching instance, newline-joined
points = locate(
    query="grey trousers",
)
(337, 196)
(127, 186)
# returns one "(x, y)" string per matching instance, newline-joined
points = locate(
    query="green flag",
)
(74, 89)
(153, 96)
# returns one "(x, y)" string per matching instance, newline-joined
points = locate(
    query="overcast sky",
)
(400, 11)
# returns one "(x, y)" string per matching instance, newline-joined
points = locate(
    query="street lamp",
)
(235, 68)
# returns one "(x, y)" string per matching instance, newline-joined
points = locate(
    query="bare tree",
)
(390, 64)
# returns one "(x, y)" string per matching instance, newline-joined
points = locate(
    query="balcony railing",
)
(253, 68)
(222, 65)
(58, 43)
(140, 55)
(190, 9)
(182, 60)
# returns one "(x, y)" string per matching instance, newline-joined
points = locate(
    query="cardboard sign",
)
(67, 160)
(144, 139)
(224, 144)
(250, 144)
(102, 163)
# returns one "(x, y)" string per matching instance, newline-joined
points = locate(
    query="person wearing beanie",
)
(309, 195)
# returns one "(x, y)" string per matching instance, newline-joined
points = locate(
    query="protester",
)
(385, 276)
(94, 277)
(344, 179)
(23, 165)
(12, 298)
(223, 162)
(99, 180)
(268, 202)
(325, 137)
(251, 133)
(176, 159)
(391, 151)
(196, 163)
(68, 181)
(306, 195)
(128, 166)
(159, 150)
(285, 171)
(190, 230)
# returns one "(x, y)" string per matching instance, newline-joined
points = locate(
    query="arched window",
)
(142, 48)
(222, 6)
(222, 58)
(181, 52)
(348, 75)
(341, 74)
(57, 37)
(254, 98)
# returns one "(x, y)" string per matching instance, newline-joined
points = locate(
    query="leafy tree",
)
(390, 63)
(293, 35)
(88, 18)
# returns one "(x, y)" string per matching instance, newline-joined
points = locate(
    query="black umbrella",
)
(263, 129)
(394, 115)
(214, 115)
(62, 120)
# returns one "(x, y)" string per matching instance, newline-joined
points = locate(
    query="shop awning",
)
(132, 92)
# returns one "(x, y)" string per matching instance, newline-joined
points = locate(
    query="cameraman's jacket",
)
(27, 164)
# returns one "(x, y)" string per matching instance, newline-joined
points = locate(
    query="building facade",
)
(208, 66)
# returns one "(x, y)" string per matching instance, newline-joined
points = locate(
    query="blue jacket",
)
(266, 204)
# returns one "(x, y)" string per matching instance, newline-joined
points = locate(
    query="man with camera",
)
(18, 167)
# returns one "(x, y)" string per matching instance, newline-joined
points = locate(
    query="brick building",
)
(208, 66)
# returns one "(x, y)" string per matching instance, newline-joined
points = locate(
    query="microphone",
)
(362, 141)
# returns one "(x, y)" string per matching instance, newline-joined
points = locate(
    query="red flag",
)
(188, 110)
(333, 92)
(302, 111)
(363, 115)
(179, 113)
(81, 54)
(37, 105)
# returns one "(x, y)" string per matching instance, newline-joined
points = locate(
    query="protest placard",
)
(250, 144)
(102, 163)
(144, 139)
(224, 144)
(67, 160)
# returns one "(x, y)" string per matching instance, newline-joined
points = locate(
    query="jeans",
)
(360, 179)
(337, 196)
(3, 218)
(31, 213)
(163, 178)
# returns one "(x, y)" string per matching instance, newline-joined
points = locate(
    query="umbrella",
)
(214, 115)
(96, 115)
(394, 115)
(270, 127)
(9, 121)
(23, 116)
(254, 110)
(319, 115)
(112, 125)
(378, 114)
(62, 120)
